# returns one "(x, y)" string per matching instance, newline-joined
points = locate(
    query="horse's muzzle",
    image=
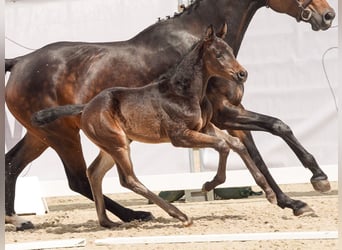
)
(317, 21)
(328, 17)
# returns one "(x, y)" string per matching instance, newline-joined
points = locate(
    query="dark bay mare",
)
(74, 72)
(173, 109)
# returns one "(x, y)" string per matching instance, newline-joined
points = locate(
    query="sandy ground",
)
(75, 217)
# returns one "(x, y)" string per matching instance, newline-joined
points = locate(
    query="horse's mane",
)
(186, 10)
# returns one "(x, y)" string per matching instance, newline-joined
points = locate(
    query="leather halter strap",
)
(303, 13)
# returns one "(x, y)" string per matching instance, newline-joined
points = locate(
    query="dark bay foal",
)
(172, 109)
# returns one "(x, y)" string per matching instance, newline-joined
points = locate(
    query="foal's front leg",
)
(258, 176)
(222, 142)
(298, 207)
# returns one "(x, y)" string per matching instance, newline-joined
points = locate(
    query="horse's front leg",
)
(298, 207)
(247, 120)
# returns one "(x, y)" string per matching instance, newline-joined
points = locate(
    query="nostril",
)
(242, 75)
(329, 16)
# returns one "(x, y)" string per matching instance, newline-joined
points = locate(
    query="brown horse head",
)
(219, 56)
(316, 12)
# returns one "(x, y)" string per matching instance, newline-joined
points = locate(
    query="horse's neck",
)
(237, 13)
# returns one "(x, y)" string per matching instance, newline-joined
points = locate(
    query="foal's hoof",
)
(109, 224)
(303, 210)
(25, 226)
(206, 188)
(322, 186)
(188, 222)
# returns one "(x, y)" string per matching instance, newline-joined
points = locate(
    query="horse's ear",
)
(209, 33)
(223, 31)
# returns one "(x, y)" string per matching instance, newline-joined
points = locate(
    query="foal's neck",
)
(191, 76)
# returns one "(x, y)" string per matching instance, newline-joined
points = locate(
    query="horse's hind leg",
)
(25, 151)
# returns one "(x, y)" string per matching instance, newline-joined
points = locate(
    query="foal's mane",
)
(168, 74)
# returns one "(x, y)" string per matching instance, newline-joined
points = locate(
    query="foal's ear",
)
(209, 34)
(223, 31)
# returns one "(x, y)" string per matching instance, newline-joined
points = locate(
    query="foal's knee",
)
(133, 184)
(223, 147)
(237, 145)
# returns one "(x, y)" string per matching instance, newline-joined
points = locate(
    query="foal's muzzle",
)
(241, 76)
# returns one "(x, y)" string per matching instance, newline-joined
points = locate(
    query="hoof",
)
(146, 216)
(205, 187)
(187, 223)
(139, 215)
(322, 186)
(25, 226)
(109, 224)
(303, 210)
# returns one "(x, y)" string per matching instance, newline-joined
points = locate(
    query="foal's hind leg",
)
(95, 173)
(25, 151)
(70, 152)
(130, 181)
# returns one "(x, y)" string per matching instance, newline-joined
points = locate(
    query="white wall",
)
(286, 77)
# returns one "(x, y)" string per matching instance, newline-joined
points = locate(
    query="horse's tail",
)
(48, 115)
(9, 63)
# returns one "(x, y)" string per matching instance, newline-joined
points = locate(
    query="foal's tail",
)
(48, 115)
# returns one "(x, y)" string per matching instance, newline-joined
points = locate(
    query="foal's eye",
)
(219, 55)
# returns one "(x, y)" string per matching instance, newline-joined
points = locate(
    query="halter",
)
(303, 12)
